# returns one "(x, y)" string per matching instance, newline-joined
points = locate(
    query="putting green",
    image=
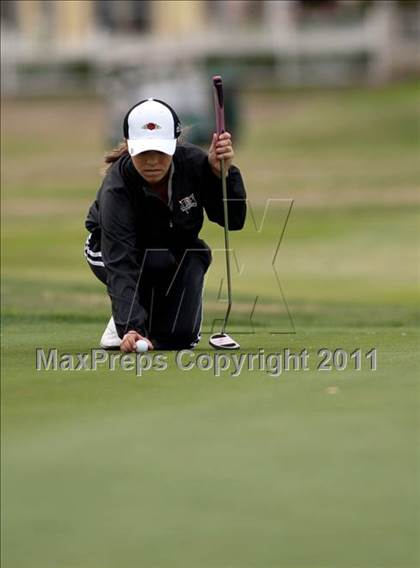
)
(309, 468)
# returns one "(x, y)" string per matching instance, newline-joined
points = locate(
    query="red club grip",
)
(218, 104)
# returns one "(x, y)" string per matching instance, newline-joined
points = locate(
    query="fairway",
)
(310, 468)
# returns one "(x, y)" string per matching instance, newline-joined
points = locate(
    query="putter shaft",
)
(227, 248)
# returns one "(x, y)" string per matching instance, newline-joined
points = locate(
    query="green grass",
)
(184, 468)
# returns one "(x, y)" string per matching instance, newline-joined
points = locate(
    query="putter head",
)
(223, 341)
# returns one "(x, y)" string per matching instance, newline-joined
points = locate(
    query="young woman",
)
(144, 227)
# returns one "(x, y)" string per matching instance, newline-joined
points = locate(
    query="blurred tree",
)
(8, 13)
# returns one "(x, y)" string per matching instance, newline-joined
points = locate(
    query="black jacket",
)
(127, 218)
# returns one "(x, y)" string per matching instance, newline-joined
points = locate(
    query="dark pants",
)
(170, 290)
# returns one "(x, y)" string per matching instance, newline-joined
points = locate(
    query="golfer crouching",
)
(144, 227)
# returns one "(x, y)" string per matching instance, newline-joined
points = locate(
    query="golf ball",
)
(141, 346)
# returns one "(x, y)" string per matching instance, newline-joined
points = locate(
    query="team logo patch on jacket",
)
(187, 203)
(151, 126)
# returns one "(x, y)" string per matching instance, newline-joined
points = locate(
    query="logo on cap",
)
(151, 126)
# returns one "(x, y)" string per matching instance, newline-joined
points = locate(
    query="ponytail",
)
(115, 154)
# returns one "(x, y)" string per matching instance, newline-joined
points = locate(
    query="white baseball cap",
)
(151, 125)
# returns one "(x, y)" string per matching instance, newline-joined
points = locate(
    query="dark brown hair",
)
(115, 154)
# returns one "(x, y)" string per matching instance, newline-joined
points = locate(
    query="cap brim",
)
(138, 146)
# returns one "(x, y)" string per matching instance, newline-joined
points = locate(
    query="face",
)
(152, 165)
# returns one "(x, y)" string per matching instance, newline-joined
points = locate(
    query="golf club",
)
(222, 340)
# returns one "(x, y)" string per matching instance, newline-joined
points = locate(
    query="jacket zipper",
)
(166, 205)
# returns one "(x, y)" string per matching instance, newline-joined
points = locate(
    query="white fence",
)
(372, 49)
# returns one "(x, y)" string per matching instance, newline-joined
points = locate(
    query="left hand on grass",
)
(128, 343)
(221, 148)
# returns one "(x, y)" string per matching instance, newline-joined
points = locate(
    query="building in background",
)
(56, 45)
